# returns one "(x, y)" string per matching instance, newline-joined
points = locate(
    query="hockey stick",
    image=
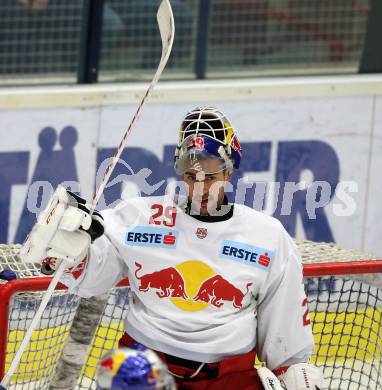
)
(166, 26)
(167, 32)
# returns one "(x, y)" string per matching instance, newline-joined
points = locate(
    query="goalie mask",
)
(206, 133)
(135, 368)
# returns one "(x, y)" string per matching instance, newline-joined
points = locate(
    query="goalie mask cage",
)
(344, 299)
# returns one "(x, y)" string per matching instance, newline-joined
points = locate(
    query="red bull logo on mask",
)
(247, 254)
(192, 286)
(152, 237)
(197, 142)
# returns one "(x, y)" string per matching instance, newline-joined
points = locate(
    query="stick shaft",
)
(167, 31)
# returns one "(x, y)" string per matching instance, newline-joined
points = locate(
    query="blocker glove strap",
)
(96, 228)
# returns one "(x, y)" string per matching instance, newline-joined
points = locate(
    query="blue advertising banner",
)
(308, 162)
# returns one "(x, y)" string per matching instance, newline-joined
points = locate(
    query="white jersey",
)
(203, 291)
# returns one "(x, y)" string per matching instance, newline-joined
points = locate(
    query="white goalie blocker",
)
(300, 376)
(60, 231)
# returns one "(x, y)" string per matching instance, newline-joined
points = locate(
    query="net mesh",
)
(38, 362)
(9, 260)
(346, 319)
(328, 252)
(345, 313)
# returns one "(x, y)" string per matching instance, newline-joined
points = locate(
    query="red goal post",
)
(344, 300)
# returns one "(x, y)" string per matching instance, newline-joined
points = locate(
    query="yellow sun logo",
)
(194, 273)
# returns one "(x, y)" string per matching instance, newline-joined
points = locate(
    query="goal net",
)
(344, 291)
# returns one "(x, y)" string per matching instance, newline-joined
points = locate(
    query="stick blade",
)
(166, 24)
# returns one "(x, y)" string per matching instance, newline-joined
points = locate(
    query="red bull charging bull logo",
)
(217, 289)
(168, 282)
(192, 286)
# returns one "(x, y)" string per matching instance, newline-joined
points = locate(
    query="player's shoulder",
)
(250, 216)
(268, 229)
(268, 232)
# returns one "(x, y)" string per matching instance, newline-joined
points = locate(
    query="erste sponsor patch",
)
(247, 254)
(152, 237)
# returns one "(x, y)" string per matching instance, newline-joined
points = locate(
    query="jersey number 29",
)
(163, 215)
